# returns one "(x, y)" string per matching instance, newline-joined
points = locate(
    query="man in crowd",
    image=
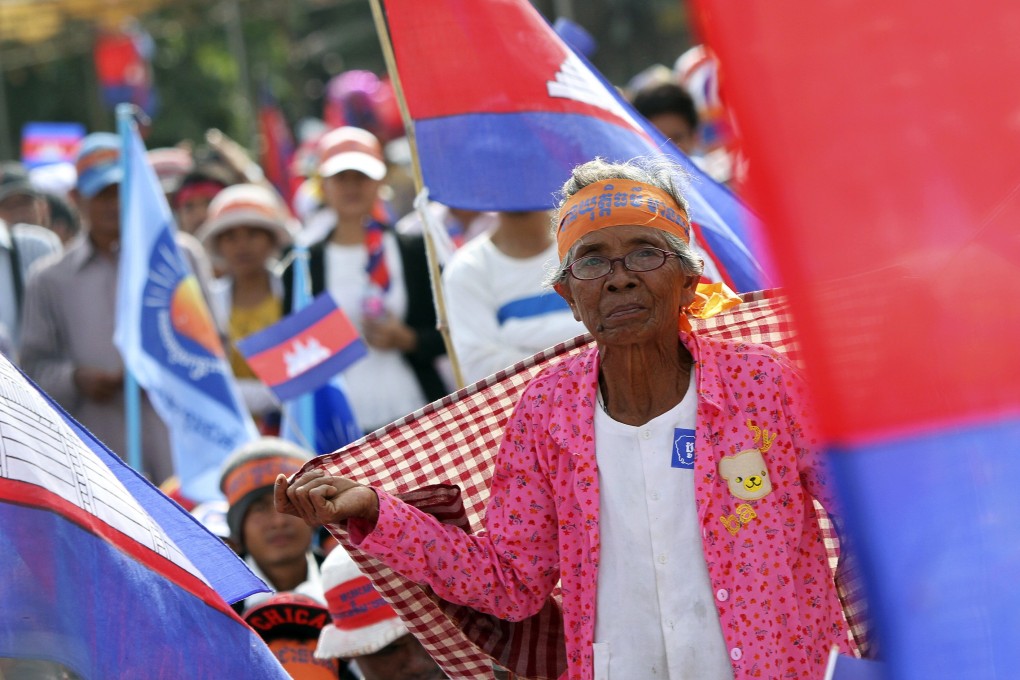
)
(671, 109)
(277, 547)
(70, 314)
(22, 243)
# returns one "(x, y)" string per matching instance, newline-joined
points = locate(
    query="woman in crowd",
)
(245, 230)
(664, 479)
(381, 281)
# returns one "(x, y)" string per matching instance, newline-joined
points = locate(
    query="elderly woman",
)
(664, 479)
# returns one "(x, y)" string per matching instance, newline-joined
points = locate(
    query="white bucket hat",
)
(363, 622)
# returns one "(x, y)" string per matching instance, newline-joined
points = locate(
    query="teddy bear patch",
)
(745, 472)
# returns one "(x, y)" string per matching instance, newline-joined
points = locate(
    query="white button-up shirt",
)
(656, 614)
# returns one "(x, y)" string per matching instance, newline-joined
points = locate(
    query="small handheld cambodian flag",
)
(305, 350)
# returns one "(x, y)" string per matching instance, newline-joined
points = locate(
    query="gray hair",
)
(659, 172)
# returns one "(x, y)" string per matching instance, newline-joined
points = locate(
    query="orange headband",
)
(256, 474)
(616, 203)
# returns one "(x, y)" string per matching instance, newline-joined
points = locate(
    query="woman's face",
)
(351, 194)
(625, 307)
(245, 249)
(192, 212)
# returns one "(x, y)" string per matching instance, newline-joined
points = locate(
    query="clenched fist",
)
(318, 498)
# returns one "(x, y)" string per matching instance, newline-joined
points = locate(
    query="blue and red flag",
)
(321, 420)
(884, 155)
(124, 68)
(503, 110)
(303, 351)
(277, 151)
(167, 336)
(102, 574)
(43, 143)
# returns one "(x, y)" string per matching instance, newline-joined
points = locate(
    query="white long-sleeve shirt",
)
(498, 310)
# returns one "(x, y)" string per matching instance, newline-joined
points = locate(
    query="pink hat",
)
(351, 148)
(363, 622)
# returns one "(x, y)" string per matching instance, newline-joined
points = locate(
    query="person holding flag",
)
(247, 226)
(380, 279)
(664, 479)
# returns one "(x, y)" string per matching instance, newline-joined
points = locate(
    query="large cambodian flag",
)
(503, 110)
(167, 336)
(102, 574)
(884, 151)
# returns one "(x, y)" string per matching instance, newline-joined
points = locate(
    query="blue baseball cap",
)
(98, 163)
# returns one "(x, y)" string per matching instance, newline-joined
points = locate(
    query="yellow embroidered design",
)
(743, 516)
(762, 436)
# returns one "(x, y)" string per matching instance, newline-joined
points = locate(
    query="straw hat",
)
(245, 205)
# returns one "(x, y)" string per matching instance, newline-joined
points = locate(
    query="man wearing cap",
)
(20, 202)
(69, 316)
(276, 547)
(381, 281)
(22, 243)
(366, 630)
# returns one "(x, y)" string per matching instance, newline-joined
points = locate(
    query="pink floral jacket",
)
(756, 472)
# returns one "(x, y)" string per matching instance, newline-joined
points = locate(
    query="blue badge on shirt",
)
(683, 448)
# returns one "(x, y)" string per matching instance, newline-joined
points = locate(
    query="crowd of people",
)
(595, 510)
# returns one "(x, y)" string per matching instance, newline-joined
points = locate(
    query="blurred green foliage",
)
(293, 47)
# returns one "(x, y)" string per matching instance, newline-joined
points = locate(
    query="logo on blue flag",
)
(166, 334)
(177, 329)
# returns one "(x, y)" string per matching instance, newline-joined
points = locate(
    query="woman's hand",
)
(318, 498)
(389, 332)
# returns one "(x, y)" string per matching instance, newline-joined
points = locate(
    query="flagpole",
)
(132, 392)
(419, 184)
(302, 410)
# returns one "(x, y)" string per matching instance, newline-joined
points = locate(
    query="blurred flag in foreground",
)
(304, 350)
(102, 574)
(503, 110)
(167, 336)
(885, 157)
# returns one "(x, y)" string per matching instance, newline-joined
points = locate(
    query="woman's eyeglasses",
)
(645, 259)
